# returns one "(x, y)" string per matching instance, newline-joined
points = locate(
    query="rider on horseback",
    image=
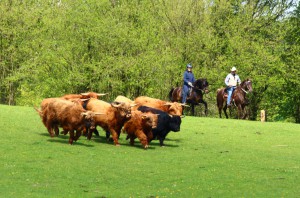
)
(231, 81)
(188, 80)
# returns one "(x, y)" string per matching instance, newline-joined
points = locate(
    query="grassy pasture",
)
(209, 157)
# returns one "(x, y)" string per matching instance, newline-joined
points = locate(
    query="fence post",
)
(263, 116)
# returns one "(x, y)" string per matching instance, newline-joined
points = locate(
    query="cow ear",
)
(167, 104)
(144, 117)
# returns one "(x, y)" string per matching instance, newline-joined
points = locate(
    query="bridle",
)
(246, 84)
(198, 89)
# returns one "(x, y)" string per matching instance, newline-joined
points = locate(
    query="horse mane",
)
(201, 83)
(244, 81)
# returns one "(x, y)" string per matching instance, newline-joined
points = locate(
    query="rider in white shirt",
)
(231, 81)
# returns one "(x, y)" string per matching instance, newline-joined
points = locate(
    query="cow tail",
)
(171, 93)
(39, 111)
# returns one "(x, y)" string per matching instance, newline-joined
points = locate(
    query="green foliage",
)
(208, 157)
(132, 48)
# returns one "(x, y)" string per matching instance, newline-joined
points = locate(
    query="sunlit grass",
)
(207, 158)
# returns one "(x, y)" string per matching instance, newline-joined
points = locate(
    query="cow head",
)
(175, 108)
(150, 119)
(89, 118)
(124, 109)
(175, 123)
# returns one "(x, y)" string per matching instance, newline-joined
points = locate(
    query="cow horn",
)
(83, 100)
(84, 114)
(98, 113)
(167, 104)
(144, 117)
(184, 105)
(132, 105)
(116, 104)
(84, 94)
(101, 94)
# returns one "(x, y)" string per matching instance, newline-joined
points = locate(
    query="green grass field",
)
(209, 157)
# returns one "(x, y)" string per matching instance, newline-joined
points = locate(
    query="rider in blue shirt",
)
(188, 80)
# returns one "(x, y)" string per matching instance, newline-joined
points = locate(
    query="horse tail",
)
(171, 93)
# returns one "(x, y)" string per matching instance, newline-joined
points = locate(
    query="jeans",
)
(185, 91)
(230, 90)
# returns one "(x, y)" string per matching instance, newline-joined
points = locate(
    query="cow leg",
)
(161, 140)
(107, 135)
(78, 134)
(71, 137)
(50, 129)
(56, 130)
(149, 136)
(90, 133)
(96, 132)
(143, 139)
(131, 140)
(115, 137)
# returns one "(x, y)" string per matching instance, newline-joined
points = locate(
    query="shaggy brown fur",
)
(116, 114)
(66, 114)
(140, 125)
(173, 108)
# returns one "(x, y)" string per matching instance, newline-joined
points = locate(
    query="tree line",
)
(141, 47)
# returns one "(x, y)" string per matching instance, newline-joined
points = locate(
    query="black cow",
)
(165, 123)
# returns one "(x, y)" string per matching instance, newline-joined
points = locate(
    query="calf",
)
(116, 115)
(66, 114)
(140, 125)
(165, 123)
(173, 108)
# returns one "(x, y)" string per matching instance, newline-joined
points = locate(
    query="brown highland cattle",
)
(116, 114)
(67, 114)
(140, 126)
(172, 108)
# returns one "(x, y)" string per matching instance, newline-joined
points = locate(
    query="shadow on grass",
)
(156, 143)
(139, 146)
(62, 141)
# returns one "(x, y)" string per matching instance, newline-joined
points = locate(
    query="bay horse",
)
(238, 98)
(195, 96)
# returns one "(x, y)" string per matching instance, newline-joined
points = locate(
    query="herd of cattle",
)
(144, 118)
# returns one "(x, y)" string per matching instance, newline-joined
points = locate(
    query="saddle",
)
(225, 96)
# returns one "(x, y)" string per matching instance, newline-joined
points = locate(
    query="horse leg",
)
(240, 111)
(205, 105)
(245, 112)
(224, 109)
(193, 110)
(220, 112)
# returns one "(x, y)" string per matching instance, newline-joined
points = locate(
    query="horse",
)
(195, 96)
(238, 98)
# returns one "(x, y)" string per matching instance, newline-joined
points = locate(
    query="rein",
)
(199, 89)
(244, 90)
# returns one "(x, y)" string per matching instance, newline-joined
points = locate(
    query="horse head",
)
(201, 84)
(247, 85)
